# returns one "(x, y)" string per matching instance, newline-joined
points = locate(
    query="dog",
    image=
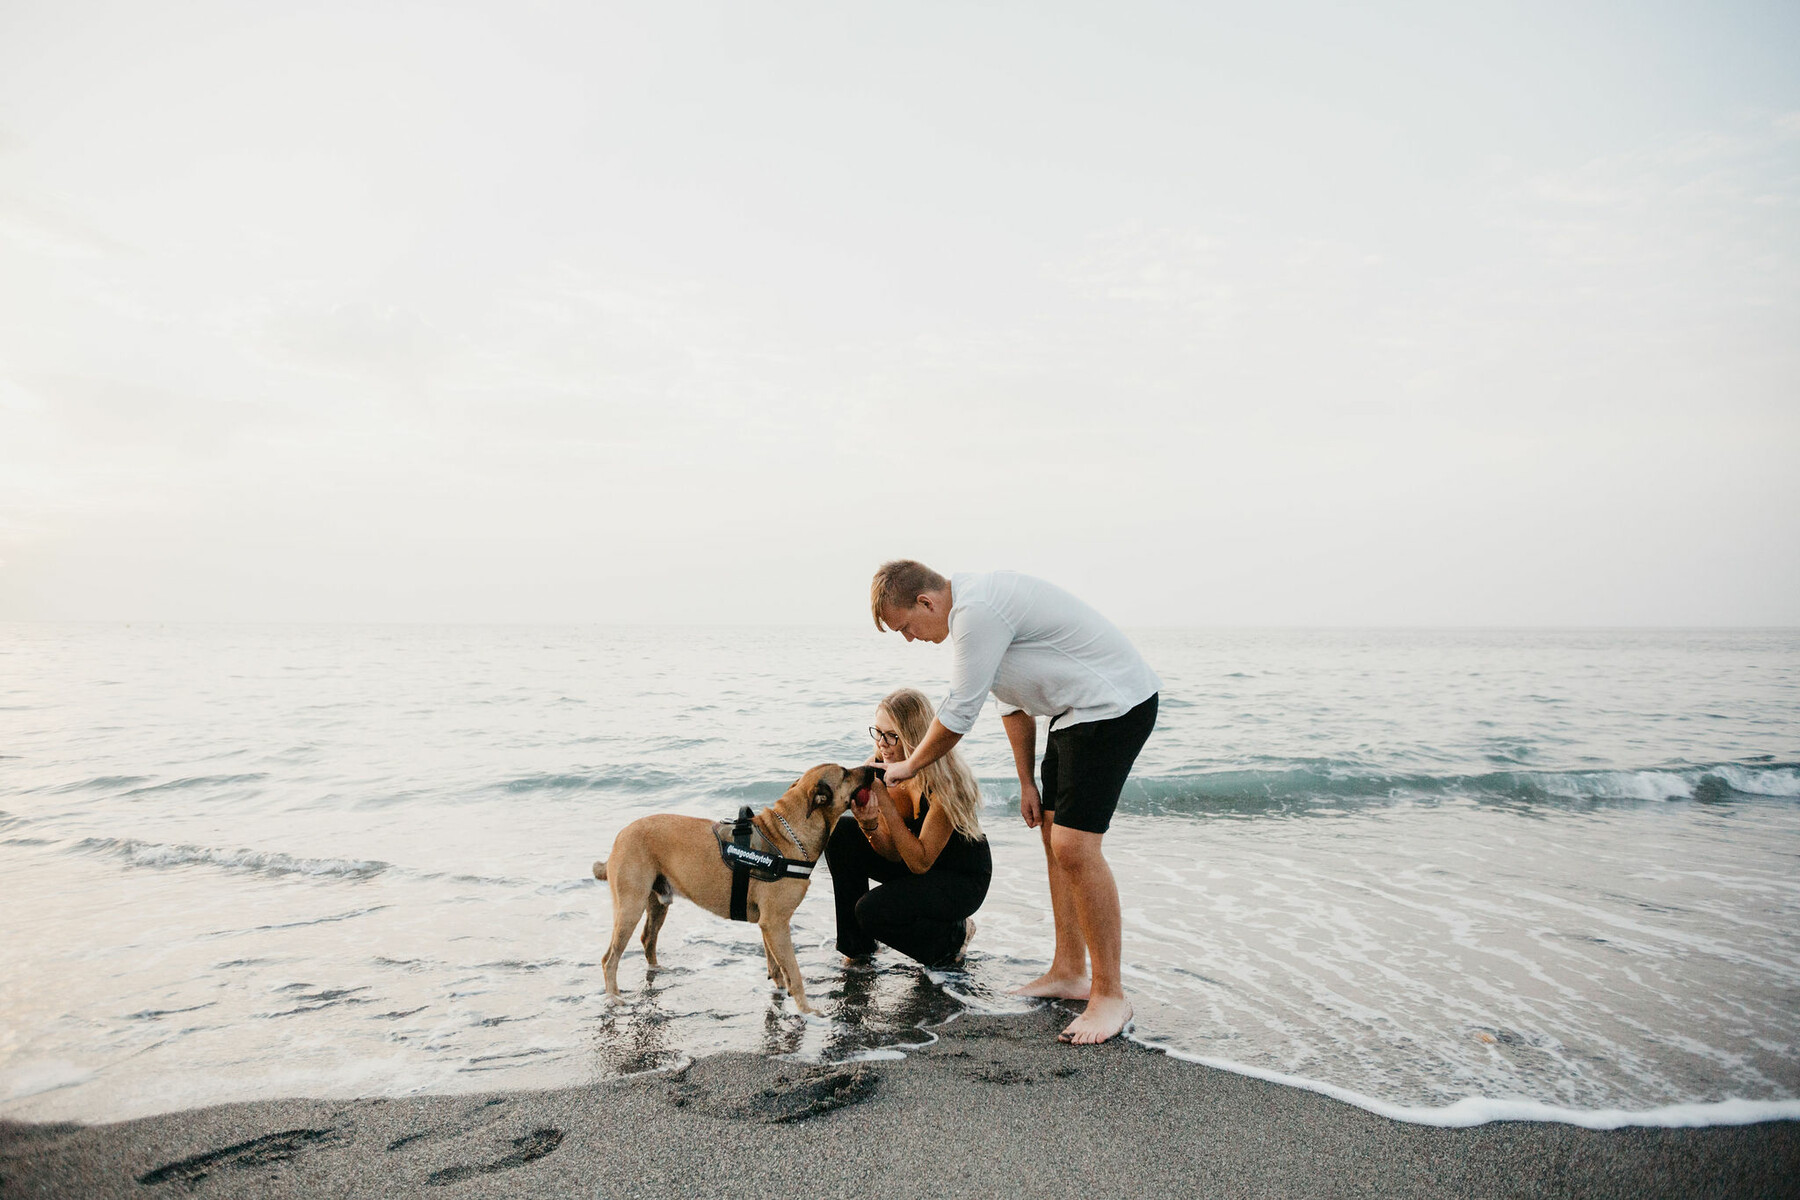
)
(656, 858)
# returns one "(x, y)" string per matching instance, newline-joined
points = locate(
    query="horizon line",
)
(1446, 627)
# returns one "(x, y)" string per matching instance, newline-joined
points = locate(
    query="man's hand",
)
(1031, 805)
(1021, 735)
(900, 772)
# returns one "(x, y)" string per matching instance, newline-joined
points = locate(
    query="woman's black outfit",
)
(919, 915)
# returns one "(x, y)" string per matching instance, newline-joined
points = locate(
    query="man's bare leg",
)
(1095, 899)
(1067, 978)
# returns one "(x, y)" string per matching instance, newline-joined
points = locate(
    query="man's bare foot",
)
(1053, 986)
(1104, 1020)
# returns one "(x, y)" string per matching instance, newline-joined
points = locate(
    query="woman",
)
(921, 839)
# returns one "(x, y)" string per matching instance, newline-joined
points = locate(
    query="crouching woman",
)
(920, 840)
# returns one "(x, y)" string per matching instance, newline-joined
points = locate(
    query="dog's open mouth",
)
(862, 798)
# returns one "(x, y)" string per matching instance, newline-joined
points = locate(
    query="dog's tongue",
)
(862, 795)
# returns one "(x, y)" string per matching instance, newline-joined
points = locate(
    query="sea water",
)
(1447, 875)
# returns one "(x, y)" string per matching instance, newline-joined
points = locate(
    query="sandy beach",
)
(994, 1107)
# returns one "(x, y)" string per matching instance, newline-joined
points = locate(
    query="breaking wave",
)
(581, 781)
(1290, 788)
(1322, 787)
(181, 785)
(137, 853)
(103, 783)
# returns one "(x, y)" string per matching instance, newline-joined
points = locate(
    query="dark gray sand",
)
(995, 1108)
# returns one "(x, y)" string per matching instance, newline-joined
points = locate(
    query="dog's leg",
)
(769, 958)
(658, 908)
(629, 896)
(780, 942)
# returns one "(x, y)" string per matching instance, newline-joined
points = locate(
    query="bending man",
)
(1042, 653)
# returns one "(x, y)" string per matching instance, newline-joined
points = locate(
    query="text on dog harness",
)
(746, 860)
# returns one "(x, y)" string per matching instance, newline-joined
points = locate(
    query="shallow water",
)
(1418, 867)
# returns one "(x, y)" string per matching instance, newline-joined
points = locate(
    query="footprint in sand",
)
(257, 1152)
(530, 1148)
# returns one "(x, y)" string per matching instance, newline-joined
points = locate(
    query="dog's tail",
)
(600, 869)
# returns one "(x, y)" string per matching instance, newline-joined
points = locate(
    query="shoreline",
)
(994, 1106)
(1473, 1111)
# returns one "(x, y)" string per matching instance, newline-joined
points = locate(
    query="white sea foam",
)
(880, 1054)
(1481, 1111)
(36, 1077)
(1619, 785)
(990, 1004)
(1759, 781)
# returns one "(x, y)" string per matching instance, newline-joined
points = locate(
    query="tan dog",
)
(659, 857)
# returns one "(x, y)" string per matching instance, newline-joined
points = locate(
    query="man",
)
(1042, 653)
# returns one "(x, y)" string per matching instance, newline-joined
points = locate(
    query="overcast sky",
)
(1234, 314)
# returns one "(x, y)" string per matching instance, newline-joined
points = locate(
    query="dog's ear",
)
(821, 798)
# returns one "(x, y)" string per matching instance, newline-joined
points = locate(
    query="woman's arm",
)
(876, 829)
(918, 853)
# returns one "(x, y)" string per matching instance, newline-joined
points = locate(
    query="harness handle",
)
(740, 874)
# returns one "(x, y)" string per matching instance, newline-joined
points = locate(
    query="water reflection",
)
(865, 1008)
(887, 1005)
(634, 1034)
(782, 1033)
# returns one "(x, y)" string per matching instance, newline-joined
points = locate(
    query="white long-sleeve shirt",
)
(1039, 650)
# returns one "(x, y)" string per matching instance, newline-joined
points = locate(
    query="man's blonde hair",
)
(898, 584)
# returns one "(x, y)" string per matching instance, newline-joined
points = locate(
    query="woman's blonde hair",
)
(948, 781)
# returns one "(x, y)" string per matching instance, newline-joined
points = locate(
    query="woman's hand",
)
(884, 799)
(868, 816)
(1031, 805)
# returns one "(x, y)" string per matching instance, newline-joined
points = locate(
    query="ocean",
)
(1447, 875)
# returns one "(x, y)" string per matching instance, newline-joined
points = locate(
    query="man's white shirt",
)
(1038, 650)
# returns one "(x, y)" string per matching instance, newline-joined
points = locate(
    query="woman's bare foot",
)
(968, 936)
(1054, 986)
(1104, 1020)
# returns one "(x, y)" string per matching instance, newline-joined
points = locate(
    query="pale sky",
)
(1229, 314)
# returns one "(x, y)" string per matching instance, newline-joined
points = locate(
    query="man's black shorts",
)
(1085, 767)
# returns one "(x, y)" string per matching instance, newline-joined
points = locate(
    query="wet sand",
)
(996, 1107)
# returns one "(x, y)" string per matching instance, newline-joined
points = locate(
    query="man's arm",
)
(979, 639)
(1021, 732)
(978, 642)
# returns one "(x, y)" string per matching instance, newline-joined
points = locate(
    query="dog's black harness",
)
(748, 853)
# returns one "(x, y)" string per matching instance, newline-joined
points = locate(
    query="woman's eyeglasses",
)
(883, 737)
